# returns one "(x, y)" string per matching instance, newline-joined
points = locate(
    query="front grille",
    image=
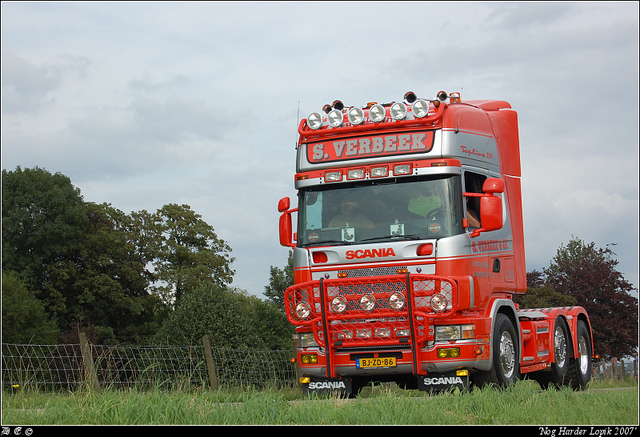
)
(371, 272)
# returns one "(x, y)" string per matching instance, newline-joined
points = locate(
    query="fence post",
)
(90, 369)
(213, 379)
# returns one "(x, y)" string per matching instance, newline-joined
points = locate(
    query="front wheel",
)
(505, 369)
(580, 366)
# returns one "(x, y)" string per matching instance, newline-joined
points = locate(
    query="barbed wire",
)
(62, 367)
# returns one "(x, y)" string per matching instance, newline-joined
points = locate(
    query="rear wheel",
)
(580, 366)
(505, 369)
(558, 373)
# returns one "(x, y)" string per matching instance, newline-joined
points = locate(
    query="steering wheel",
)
(439, 212)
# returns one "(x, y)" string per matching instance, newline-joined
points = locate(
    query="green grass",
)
(524, 404)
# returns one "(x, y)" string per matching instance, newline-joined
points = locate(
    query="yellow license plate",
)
(371, 363)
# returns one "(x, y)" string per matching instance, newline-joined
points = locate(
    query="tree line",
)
(165, 276)
(144, 277)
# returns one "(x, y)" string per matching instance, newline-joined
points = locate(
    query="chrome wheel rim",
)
(560, 348)
(507, 355)
(584, 355)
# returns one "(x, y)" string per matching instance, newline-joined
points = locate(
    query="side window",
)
(473, 184)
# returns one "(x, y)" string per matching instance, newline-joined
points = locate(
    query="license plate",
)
(372, 363)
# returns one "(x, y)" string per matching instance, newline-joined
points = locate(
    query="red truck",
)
(409, 252)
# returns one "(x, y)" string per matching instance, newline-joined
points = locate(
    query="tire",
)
(580, 367)
(505, 366)
(558, 374)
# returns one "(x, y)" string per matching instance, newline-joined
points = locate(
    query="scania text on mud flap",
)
(409, 250)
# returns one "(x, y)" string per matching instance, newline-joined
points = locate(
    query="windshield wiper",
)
(396, 237)
(323, 242)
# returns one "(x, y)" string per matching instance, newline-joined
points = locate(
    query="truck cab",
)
(409, 246)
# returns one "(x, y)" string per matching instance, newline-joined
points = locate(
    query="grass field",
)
(523, 404)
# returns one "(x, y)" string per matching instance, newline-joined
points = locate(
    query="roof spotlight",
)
(356, 115)
(327, 108)
(337, 104)
(442, 96)
(398, 111)
(314, 121)
(335, 118)
(420, 108)
(377, 113)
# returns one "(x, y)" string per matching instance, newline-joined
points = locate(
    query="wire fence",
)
(72, 366)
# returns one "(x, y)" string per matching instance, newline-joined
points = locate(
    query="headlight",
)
(398, 111)
(420, 108)
(335, 118)
(314, 121)
(439, 303)
(338, 304)
(303, 310)
(454, 332)
(396, 301)
(356, 115)
(447, 332)
(367, 302)
(377, 113)
(306, 339)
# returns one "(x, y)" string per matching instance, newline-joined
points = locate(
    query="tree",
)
(190, 256)
(589, 275)
(24, 319)
(43, 217)
(213, 310)
(269, 326)
(545, 297)
(279, 281)
(105, 283)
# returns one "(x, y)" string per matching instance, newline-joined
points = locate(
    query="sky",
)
(143, 104)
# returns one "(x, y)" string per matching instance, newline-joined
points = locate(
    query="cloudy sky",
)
(144, 104)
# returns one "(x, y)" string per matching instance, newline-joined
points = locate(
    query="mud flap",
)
(323, 386)
(438, 382)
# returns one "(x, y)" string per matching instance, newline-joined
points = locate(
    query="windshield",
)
(371, 212)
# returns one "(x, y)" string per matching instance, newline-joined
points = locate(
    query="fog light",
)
(303, 310)
(363, 333)
(304, 380)
(449, 352)
(338, 304)
(367, 302)
(402, 332)
(439, 303)
(383, 332)
(309, 359)
(396, 301)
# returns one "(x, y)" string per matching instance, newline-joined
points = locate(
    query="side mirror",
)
(284, 204)
(490, 207)
(285, 226)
